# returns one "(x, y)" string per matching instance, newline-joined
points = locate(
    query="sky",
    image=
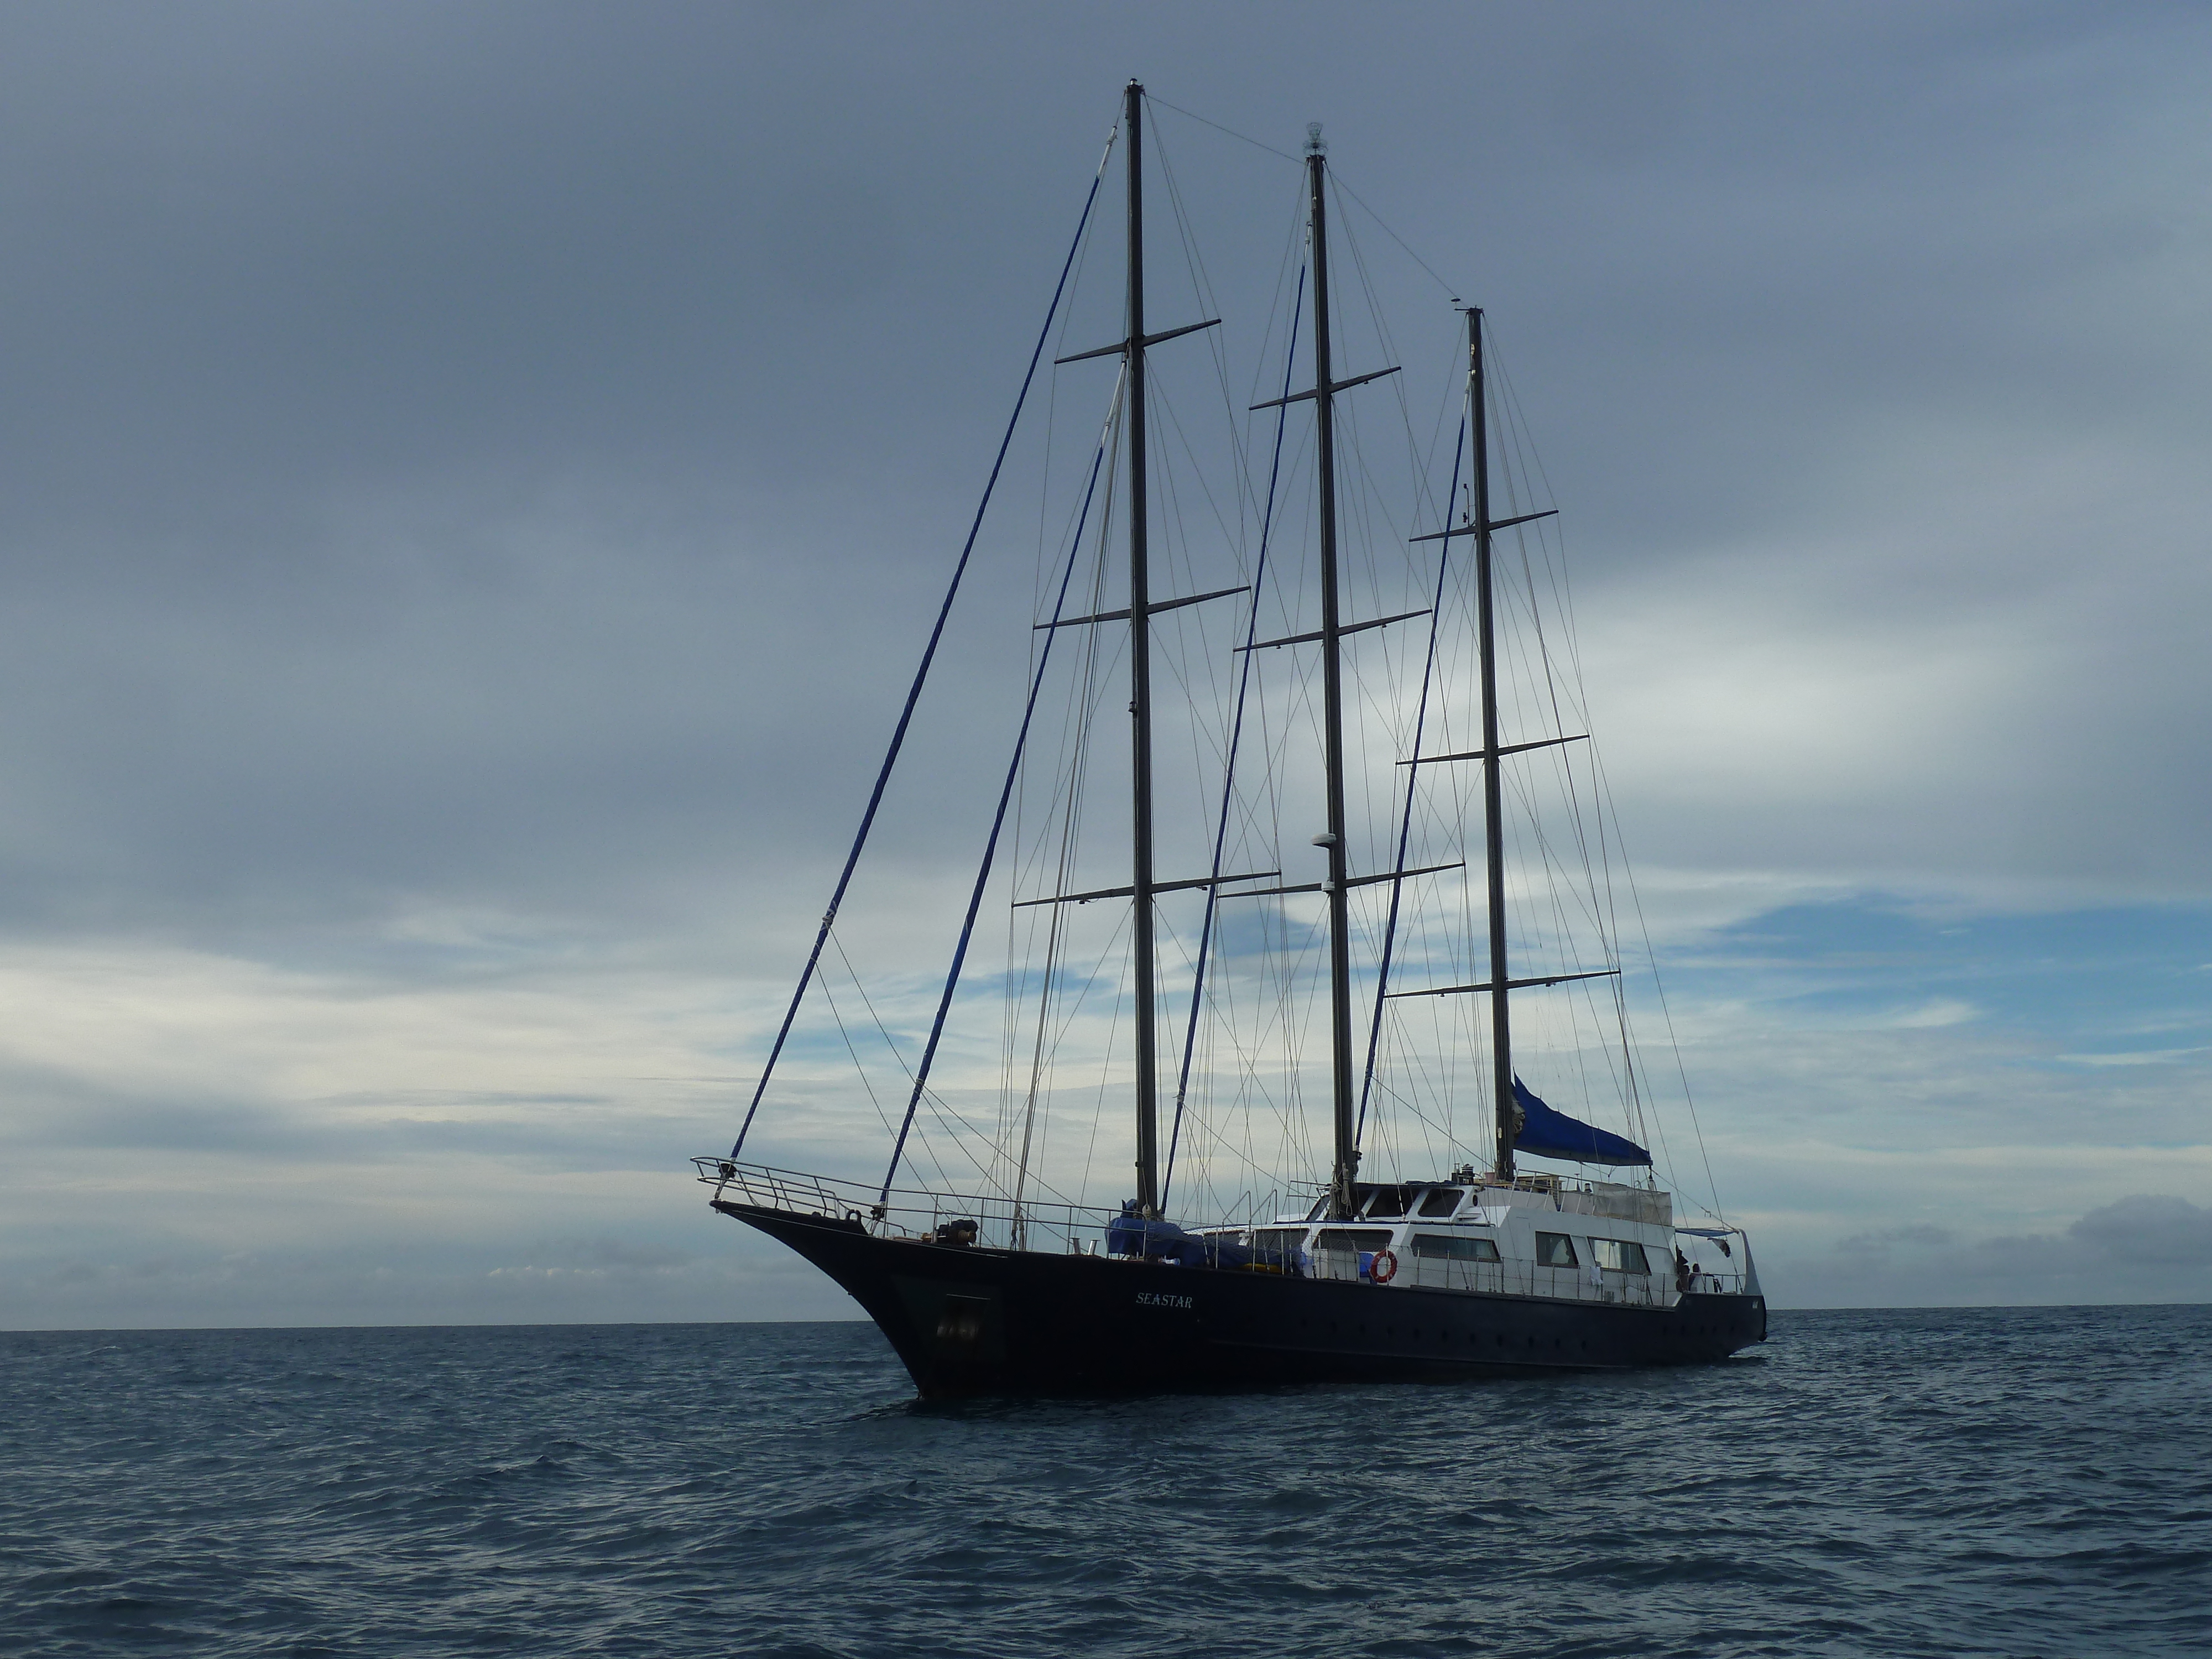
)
(475, 478)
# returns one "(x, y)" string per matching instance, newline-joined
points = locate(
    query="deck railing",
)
(1525, 1278)
(1080, 1230)
(909, 1212)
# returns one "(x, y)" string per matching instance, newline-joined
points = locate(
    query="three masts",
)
(1502, 1271)
(1334, 840)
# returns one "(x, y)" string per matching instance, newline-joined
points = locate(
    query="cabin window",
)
(1388, 1202)
(1277, 1239)
(1345, 1240)
(1441, 1200)
(1454, 1249)
(1320, 1208)
(1621, 1256)
(1555, 1250)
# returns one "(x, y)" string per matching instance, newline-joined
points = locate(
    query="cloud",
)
(1942, 1011)
(2142, 1247)
(611, 1253)
(1914, 1235)
(2138, 1057)
(477, 483)
(2149, 1228)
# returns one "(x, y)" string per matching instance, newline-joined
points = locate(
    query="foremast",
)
(1144, 883)
(1142, 880)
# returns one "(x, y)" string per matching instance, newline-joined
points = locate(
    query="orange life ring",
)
(1383, 1268)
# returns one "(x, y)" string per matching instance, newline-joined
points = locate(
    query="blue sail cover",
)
(1549, 1134)
(1130, 1234)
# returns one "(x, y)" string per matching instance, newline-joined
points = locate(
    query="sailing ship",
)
(1477, 1267)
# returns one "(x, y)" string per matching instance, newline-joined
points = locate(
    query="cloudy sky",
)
(474, 475)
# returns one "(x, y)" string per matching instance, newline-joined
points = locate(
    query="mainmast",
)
(1140, 679)
(1501, 1036)
(1347, 1163)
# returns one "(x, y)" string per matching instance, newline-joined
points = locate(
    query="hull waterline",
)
(969, 1320)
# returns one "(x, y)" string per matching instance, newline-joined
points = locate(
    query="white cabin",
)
(1539, 1235)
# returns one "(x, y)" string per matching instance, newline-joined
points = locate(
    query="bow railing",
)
(997, 1223)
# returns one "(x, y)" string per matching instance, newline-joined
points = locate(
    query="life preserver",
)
(1383, 1268)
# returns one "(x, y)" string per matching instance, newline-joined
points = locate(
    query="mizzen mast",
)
(1501, 1031)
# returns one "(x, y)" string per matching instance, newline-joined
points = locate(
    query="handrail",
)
(908, 1213)
(1079, 1229)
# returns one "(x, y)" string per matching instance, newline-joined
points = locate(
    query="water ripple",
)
(2019, 1482)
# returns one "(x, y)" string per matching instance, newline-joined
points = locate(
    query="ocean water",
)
(2015, 1482)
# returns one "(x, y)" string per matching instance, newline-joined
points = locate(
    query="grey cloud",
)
(1916, 1235)
(2145, 1248)
(617, 1253)
(505, 458)
(491, 462)
(2149, 1228)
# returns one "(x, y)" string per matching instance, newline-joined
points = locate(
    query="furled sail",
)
(1550, 1133)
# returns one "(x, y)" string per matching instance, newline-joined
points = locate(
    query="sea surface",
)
(2017, 1482)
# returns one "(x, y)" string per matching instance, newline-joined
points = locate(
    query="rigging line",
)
(1230, 1150)
(1202, 287)
(1600, 904)
(998, 823)
(1093, 972)
(1405, 822)
(1336, 178)
(1070, 824)
(1666, 1012)
(1236, 731)
(865, 1002)
(1375, 317)
(1043, 578)
(1289, 259)
(928, 656)
(1563, 589)
(1529, 456)
(849, 1048)
(1421, 1116)
(1198, 475)
(943, 1109)
(890, 1042)
(1202, 290)
(1106, 1059)
(861, 990)
(1153, 97)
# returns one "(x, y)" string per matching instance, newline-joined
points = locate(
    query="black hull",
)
(978, 1320)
